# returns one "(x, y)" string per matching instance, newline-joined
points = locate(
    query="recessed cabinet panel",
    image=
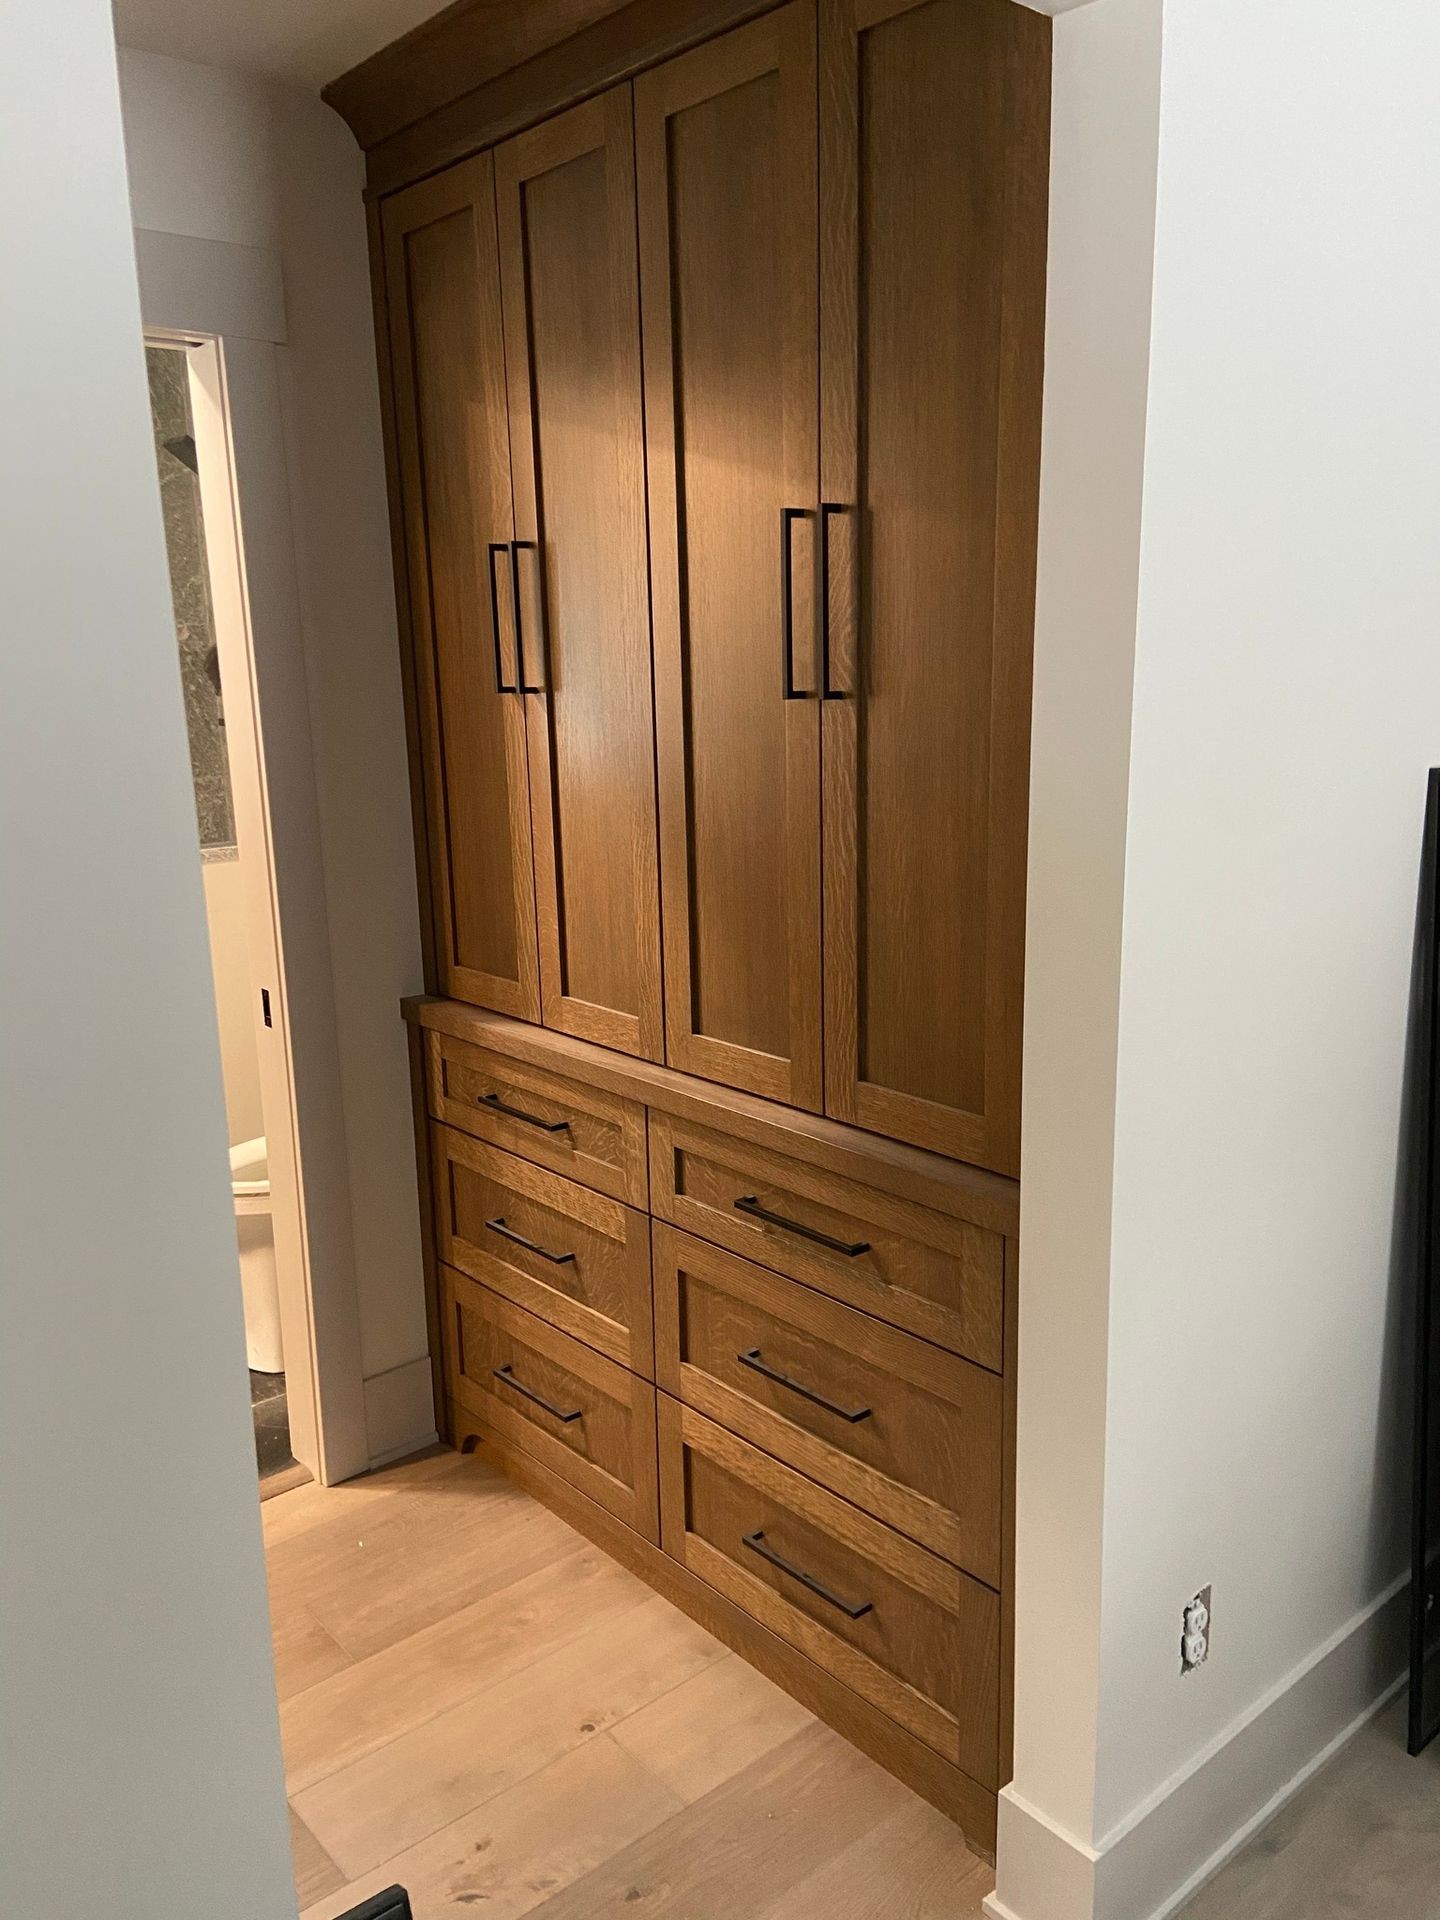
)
(566, 199)
(443, 298)
(725, 157)
(932, 156)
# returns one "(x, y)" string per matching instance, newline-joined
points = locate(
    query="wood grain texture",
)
(586, 1268)
(316, 1874)
(556, 1120)
(930, 1274)
(512, 1374)
(725, 157)
(967, 1193)
(623, 42)
(451, 434)
(933, 147)
(921, 1449)
(926, 1648)
(566, 199)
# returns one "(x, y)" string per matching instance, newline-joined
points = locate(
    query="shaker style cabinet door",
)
(933, 158)
(565, 195)
(442, 292)
(726, 167)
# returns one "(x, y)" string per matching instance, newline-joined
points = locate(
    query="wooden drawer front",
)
(586, 1267)
(575, 1411)
(596, 1138)
(933, 1275)
(898, 1426)
(907, 1631)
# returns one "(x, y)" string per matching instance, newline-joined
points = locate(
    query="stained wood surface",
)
(923, 1271)
(908, 1432)
(564, 1124)
(586, 1418)
(725, 159)
(932, 157)
(567, 1737)
(451, 437)
(565, 194)
(968, 1193)
(587, 1267)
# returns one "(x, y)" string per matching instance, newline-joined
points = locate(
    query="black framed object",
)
(1421, 1187)
(392, 1904)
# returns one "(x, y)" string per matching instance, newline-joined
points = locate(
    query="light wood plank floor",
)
(1360, 1839)
(480, 1705)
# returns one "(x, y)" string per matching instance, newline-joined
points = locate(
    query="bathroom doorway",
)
(216, 675)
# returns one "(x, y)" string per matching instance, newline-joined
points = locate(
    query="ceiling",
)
(305, 42)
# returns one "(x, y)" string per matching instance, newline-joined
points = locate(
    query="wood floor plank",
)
(744, 1847)
(489, 1742)
(913, 1866)
(298, 1510)
(703, 1733)
(304, 1652)
(373, 1701)
(316, 1874)
(506, 1857)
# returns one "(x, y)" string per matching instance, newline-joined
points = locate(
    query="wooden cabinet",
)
(725, 149)
(442, 287)
(716, 405)
(932, 156)
(566, 198)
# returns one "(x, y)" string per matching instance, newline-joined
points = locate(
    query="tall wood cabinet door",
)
(566, 200)
(442, 288)
(725, 158)
(933, 156)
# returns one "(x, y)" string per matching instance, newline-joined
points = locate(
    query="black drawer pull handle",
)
(507, 1379)
(827, 692)
(788, 516)
(852, 1249)
(757, 1543)
(497, 1225)
(757, 1365)
(497, 1105)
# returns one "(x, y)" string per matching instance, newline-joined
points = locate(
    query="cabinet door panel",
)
(566, 198)
(933, 154)
(725, 153)
(443, 299)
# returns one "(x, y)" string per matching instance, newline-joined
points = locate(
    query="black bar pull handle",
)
(497, 1105)
(757, 1543)
(517, 547)
(827, 692)
(852, 1249)
(506, 1377)
(788, 517)
(497, 1225)
(753, 1360)
(500, 546)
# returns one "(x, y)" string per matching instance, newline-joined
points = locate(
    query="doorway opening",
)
(234, 849)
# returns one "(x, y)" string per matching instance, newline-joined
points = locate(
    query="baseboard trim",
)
(399, 1412)
(1176, 1840)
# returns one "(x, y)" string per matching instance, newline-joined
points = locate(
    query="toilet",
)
(259, 1284)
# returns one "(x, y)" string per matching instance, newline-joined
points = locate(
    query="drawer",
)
(529, 1385)
(924, 1271)
(593, 1137)
(569, 1255)
(908, 1632)
(898, 1426)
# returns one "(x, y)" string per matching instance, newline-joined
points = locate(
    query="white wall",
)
(1254, 1372)
(141, 1749)
(234, 998)
(221, 157)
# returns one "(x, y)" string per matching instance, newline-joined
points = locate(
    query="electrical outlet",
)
(1195, 1632)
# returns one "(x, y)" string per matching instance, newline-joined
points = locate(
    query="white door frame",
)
(235, 395)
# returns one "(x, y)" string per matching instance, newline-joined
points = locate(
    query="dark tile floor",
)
(272, 1423)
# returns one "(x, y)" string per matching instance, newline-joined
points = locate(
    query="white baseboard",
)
(1148, 1866)
(399, 1412)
